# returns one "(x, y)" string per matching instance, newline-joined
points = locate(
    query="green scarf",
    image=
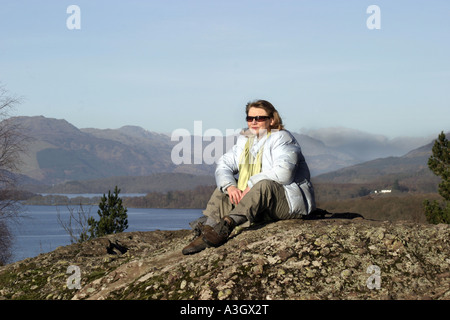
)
(249, 165)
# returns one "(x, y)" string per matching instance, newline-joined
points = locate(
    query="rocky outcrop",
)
(297, 259)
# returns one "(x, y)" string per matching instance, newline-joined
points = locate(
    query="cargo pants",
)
(266, 201)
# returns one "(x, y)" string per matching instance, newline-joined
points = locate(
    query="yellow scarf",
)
(249, 165)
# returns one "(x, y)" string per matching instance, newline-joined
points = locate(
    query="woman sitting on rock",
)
(273, 183)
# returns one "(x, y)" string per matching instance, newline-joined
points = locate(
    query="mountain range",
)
(410, 171)
(60, 152)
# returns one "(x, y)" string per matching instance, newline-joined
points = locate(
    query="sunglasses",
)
(257, 118)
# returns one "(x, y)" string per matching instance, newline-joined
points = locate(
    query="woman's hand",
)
(235, 194)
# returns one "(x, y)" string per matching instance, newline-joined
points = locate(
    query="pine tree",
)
(113, 216)
(439, 163)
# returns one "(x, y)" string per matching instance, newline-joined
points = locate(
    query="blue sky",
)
(162, 65)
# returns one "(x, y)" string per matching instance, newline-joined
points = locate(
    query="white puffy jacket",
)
(282, 161)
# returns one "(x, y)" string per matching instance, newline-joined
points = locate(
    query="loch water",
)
(37, 230)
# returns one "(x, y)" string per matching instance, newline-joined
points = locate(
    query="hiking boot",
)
(218, 235)
(195, 246)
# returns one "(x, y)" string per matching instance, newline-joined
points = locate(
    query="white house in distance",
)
(384, 191)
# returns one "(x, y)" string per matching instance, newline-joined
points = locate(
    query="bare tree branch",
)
(12, 143)
(77, 226)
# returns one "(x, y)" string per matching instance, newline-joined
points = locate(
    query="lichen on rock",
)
(294, 259)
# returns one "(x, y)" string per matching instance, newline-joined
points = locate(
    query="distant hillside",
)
(410, 171)
(59, 152)
(158, 182)
(363, 146)
(322, 158)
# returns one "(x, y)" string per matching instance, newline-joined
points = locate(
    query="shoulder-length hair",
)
(271, 112)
